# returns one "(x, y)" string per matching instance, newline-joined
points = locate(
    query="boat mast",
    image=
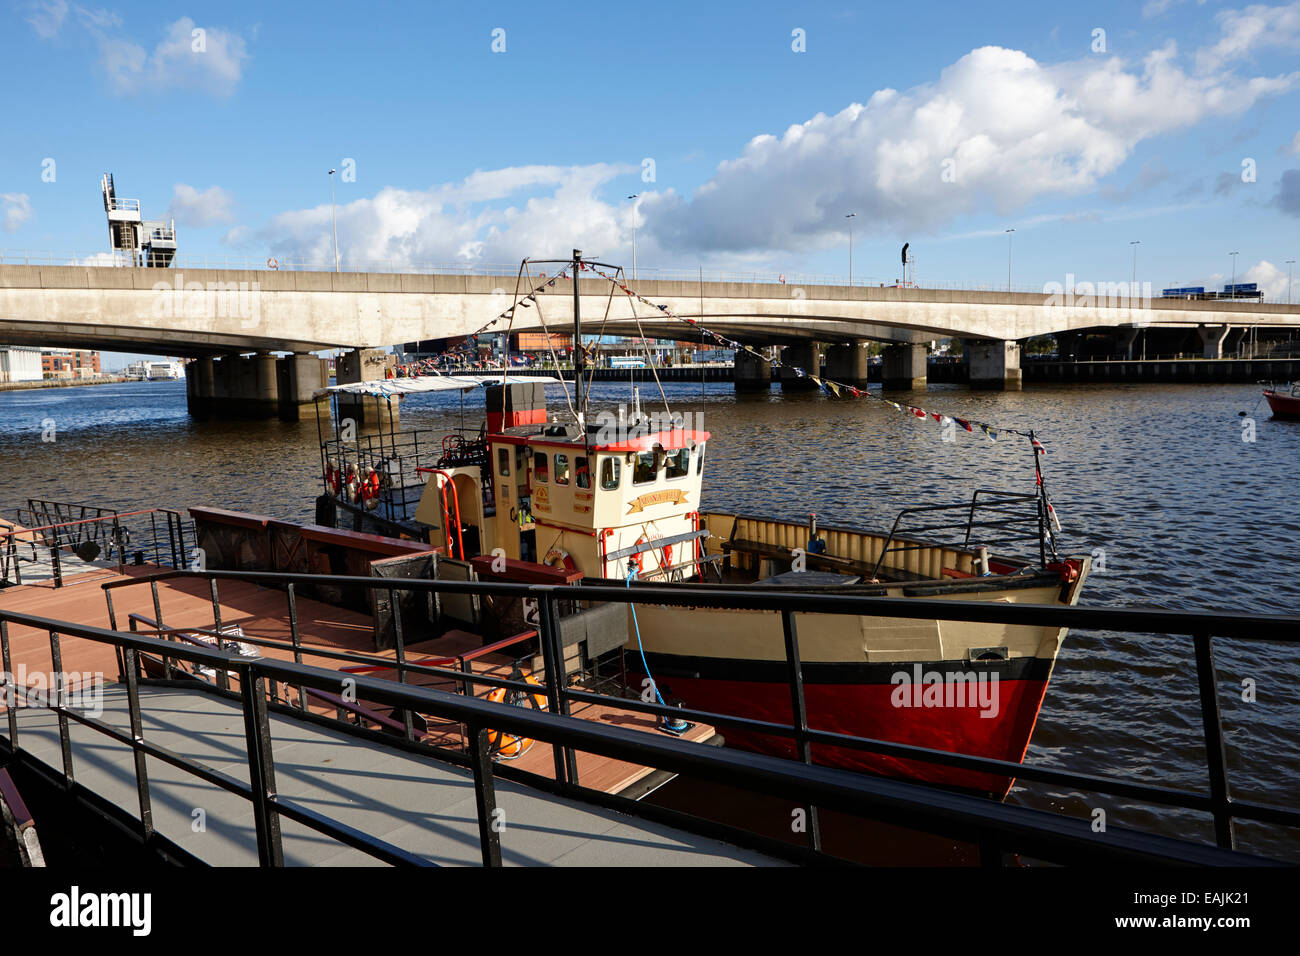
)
(578, 354)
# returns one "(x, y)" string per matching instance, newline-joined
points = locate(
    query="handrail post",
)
(11, 691)
(56, 702)
(799, 713)
(117, 543)
(296, 638)
(55, 564)
(408, 727)
(261, 766)
(554, 664)
(485, 797)
(223, 680)
(137, 738)
(158, 622)
(1210, 719)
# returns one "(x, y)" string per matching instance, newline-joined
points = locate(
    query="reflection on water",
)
(1155, 478)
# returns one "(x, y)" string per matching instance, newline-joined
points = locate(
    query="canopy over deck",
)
(385, 387)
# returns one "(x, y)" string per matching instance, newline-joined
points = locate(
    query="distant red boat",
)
(1284, 400)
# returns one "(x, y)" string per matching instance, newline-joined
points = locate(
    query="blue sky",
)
(1081, 141)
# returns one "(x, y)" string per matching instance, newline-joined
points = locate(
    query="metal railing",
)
(1002, 513)
(1200, 627)
(54, 531)
(272, 263)
(995, 827)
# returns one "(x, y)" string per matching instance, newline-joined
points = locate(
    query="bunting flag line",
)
(429, 365)
(990, 431)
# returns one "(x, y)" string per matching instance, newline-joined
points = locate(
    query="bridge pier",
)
(848, 364)
(994, 364)
(235, 386)
(807, 357)
(1125, 336)
(363, 365)
(1212, 337)
(298, 376)
(903, 367)
(752, 373)
(253, 386)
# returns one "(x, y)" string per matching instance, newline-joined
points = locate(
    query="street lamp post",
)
(335, 221)
(850, 217)
(633, 197)
(1289, 264)
(1233, 284)
(1135, 243)
(1009, 232)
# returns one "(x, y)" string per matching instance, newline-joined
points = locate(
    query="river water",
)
(1155, 479)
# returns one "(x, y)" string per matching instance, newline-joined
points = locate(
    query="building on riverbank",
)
(70, 363)
(20, 363)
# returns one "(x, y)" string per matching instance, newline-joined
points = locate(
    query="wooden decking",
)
(262, 614)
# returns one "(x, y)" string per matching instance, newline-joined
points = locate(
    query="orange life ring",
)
(508, 746)
(560, 560)
(272, 264)
(369, 490)
(332, 479)
(638, 560)
(668, 556)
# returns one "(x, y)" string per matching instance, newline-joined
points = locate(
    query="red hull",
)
(1283, 405)
(872, 710)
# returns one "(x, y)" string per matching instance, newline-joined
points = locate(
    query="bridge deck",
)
(418, 803)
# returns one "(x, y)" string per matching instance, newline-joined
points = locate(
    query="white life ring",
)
(781, 279)
(272, 264)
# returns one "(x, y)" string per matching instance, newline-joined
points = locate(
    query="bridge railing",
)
(99, 259)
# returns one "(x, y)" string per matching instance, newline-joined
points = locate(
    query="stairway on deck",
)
(420, 804)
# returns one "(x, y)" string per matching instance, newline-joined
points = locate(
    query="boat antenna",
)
(579, 357)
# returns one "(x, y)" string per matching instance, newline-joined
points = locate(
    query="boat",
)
(613, 498)
(1284, 400)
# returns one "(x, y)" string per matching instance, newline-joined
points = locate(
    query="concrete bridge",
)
(225, 313)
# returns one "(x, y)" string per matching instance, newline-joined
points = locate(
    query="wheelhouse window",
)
(561, 469)
(609, 473)
(699, 461)
(582, 477)
(678, 463)
(503, 461)
(541, 467)
(643, 472)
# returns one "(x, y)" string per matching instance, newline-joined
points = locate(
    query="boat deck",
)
(415, 802)
(261, 614)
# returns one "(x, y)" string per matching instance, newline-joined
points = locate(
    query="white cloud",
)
(487, 217)
(1012, 131)
(190, 207)
(208, 59)
(15, 209)
(1271, 280)
(47, 18)
(1247, 31)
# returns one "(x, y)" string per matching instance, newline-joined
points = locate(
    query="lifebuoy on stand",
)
(508, 746)
(272, 264)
